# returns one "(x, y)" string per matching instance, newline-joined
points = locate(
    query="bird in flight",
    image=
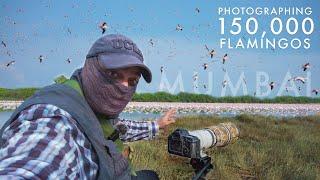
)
(41, 58)
(316, 91)
(299, 78)
(224, 83)
(4, 44)
(306, 66)
(179, 27)
(10, 63)
(205, 66)
(272, 84)
(103, 26)
(224, 58)
(211, 52)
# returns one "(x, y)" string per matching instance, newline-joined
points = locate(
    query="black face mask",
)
(105, 95)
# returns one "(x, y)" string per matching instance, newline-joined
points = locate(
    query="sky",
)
(59, 30)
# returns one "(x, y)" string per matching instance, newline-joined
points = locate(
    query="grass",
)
(268, 148)
(16, 94)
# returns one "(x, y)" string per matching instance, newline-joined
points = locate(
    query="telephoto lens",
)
(217, 136)
(191, 143)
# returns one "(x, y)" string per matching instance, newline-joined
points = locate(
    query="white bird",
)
(41, 58)
(299, 78)
(211, 52)
(103, 26)
(316, 91)
(205, 66)
(179, 27)
(195, 77)
(306, 66)
(10, 63)
(272, 84)
(225, 57)
(224, 83)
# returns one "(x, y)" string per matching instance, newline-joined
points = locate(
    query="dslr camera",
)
(190, 144)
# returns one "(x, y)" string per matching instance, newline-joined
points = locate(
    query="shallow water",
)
(4, 116)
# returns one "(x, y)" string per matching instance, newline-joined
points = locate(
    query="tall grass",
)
(268, 148)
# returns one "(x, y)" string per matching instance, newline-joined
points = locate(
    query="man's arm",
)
(43, 143)
(139, 130)
(146, 130)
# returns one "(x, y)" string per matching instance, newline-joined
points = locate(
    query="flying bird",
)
(179, 27)
(224, 83)
(205, 66)
(195, 77)
(299, 78)
(68, 60)
(161, 69)
(244, 80)
(306, 66)
(211, 52)
(10, 63)
(272, 84)
(41, 58)
(151, 42)
(103, 26)
(197, 10)
(4, 44)
(225, 57)
(316, 91)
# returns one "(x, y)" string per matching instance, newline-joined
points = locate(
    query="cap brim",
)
(116, 61)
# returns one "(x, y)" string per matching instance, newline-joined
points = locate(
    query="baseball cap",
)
(117, 51)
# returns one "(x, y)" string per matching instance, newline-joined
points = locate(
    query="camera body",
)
(181, 143)
(191, 143)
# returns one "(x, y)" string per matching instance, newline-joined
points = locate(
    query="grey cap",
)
(117, 51)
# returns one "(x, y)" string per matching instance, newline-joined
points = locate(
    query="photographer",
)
(57, 133)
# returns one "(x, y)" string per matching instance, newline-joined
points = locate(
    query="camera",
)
(191, 144)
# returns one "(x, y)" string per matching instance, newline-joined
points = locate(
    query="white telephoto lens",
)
(205, 136)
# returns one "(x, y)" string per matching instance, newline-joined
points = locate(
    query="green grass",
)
(16, 94)
(268, 148)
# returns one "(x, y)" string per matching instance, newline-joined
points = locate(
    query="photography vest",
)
(112, 165)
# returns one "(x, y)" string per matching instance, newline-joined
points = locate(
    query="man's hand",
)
(168, 118)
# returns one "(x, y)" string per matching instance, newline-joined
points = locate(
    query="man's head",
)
(111, 73)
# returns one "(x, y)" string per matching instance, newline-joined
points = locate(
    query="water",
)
(137, 116)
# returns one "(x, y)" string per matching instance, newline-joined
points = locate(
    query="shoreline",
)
(212, 108)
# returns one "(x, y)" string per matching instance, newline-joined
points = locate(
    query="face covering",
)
(104, 95)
